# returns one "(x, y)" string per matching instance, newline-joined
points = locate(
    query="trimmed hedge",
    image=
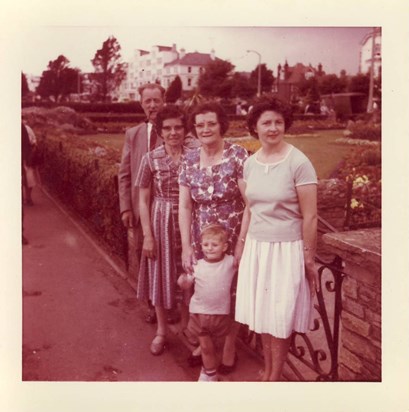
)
(81, 107)
(115, 118)
(84, 177)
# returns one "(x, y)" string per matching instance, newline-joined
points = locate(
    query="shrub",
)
(362, 172)
(365, 130)
(306, 126)
(83, 176)
(80, 107)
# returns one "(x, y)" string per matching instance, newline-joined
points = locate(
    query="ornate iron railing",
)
(317, 350)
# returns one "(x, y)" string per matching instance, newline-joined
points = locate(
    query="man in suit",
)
(138, 140)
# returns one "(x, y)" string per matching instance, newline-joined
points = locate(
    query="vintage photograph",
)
(201, 204)
(204, 206)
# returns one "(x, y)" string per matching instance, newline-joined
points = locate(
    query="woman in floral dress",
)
(158, 201)
(211, 182)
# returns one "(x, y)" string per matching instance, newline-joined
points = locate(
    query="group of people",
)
(226, 237)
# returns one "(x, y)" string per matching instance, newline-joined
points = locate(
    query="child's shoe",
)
(205, 377)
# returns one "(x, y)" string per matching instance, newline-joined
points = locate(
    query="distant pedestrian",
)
(210, 304)
(32, 177)
(238, 109)
(26, 151)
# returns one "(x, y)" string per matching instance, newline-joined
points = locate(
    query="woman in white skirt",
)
(277, 274)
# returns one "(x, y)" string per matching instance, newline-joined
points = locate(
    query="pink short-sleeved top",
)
(272, 195)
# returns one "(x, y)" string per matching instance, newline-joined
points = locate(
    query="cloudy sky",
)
(336, 48)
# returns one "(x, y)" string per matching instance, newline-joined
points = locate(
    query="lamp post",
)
(259, 72)
(369, 108)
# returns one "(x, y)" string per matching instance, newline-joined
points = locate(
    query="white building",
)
(161, 65)
(188, 66)
(366, 52)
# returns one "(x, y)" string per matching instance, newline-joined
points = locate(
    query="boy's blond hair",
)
(215, 229)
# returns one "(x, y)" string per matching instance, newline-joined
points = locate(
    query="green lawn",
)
(322, 150)
(319, 146)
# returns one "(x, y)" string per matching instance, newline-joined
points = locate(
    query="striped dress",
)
(157, 277)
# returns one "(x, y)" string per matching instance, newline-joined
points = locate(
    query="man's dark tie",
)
(153, 138)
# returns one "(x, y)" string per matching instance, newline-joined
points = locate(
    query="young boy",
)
(210, 303)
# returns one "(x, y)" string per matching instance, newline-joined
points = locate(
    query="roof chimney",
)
(212, 54)
(182, 53)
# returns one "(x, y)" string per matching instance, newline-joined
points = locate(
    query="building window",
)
(189, 69)
(189, 82)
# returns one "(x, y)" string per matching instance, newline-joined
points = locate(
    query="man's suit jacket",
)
(135, 147)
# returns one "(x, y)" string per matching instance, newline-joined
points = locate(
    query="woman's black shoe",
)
(226, 369)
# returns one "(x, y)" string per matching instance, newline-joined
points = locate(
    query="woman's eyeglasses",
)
(210, 125)
(168, 129)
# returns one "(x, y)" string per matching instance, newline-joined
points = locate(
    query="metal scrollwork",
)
(317, 350)
(314, 355)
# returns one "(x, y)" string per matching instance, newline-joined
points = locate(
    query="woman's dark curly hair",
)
(170, 112)
(272, 105)
(203, 108)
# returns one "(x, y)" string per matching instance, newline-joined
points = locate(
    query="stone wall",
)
(360, 346)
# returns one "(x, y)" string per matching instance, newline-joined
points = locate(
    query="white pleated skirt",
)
(273, 294)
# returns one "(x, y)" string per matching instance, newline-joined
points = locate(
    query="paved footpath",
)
(81, 320)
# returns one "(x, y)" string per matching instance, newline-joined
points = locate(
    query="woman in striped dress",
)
(158, 201)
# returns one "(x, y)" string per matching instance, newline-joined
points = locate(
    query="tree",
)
(24, 85)
(359, 83)
(59, 80)
(331, 83)
(215, 81)
(266, 77)
(174, 91)
(242, 87)
(109, 70)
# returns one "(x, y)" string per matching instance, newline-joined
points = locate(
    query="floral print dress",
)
(215, 193)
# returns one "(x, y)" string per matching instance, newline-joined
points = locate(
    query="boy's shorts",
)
(217, 326)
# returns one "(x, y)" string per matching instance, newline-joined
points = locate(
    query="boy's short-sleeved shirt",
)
(272, 195)
(212, 287)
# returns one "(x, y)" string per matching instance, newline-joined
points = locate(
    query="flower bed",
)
(364, 131)
(362, 173)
